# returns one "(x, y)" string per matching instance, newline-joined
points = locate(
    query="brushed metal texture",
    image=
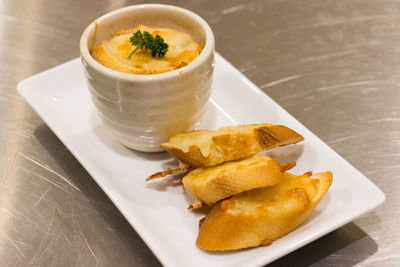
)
(334, 65)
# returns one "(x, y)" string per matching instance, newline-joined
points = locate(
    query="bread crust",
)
(227, 145)
(259, 216)
(212, 184)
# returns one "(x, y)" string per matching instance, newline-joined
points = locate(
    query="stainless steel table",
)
(334, 65)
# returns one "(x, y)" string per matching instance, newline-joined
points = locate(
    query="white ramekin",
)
(145, 110)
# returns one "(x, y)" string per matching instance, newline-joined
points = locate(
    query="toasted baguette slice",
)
(212, 184)
(259, 216)
(204, 148)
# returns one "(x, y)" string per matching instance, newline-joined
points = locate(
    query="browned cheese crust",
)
(114, 52)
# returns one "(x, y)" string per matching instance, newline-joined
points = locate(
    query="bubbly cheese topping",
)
(203, 138)
(113, 53)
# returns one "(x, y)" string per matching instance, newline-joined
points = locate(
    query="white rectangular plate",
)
(158, 209)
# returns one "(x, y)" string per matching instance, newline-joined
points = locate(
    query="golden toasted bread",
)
(204, 148)
(259, 216)
(212, 184)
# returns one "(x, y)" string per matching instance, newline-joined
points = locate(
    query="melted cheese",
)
(113, 53)
(203, 138)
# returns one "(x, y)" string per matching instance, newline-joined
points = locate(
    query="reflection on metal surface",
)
(334, 65)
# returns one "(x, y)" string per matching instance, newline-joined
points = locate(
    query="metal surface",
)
(334, 65)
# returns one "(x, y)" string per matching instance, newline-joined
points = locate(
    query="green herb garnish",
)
(147, 41)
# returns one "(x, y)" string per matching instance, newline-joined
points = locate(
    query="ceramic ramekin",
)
(145, 110)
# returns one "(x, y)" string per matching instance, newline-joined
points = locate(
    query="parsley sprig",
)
(145, 40)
